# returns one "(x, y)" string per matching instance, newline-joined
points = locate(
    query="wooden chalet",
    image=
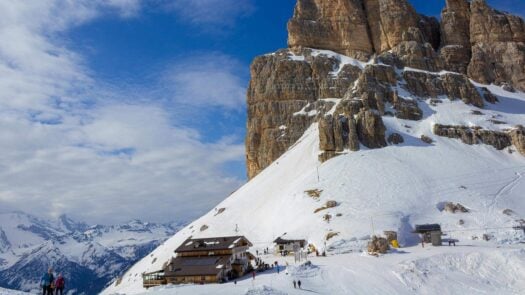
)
(431, 233)
(288, 246)
(204, 261)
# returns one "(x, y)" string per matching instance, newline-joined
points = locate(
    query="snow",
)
(29, 244)
(343, 60)
(386, 186)
(392, 188)
(12, 292)
(440, 73)
(303, 111)
(412, 270)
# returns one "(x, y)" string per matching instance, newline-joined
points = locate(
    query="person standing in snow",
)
(294, 284)
(253, 274)
(47, 281)
(299, 284)
(60, 284)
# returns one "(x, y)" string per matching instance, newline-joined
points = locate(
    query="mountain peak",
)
(71, 225)
(329, 60)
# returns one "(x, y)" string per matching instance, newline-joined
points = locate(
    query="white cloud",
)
(127, 157)
(221, 13)
(207, 81)
(104, 163)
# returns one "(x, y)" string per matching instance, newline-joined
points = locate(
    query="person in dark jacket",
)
(299, 283)
(60, 283)
(46, 282)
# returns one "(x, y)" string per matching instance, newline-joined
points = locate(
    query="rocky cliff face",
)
(352, 62)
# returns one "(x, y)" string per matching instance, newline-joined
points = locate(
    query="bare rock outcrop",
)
(378, 245)
(489, 96)
(474, 135)
(395, 138)
(431, 30)
(370, 129)
(360, 28)
(518, 138)
(337, 25)
(407, 109)
(455, 208)
(455, 36)
(499, 63)
(337, 134)
(373, 87)
(340, 133)
(498, 46)
(454, 86)
(413, 51)
(284, 99)
(388, 21)
(483, 42)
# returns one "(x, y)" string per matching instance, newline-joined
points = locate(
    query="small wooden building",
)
(288, 246)
(153, 279)
(204, 261)
(431, 233)
(199, 270)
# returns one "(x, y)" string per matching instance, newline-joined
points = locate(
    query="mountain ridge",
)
(29, 245)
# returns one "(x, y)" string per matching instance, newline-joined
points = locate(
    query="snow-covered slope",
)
(392, 188)
(88, 256)
(454, 270)
(11, 292)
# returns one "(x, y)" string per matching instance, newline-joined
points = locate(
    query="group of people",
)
(266, 251)
(52, 286)
(297, 284)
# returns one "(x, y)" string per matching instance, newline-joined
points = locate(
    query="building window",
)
(203, 278)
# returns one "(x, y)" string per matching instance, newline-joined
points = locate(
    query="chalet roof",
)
(197, 266)
(280, 240)
(427, 228)
(211, 244)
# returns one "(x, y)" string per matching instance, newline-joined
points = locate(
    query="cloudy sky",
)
(119, 109)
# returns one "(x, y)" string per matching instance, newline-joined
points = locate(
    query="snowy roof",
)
(280, 240)
(216, 243)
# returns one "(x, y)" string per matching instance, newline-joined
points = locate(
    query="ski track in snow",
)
(508, 188)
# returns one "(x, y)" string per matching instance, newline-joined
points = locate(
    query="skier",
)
(294, 284)
(299, 284)
(253, 274)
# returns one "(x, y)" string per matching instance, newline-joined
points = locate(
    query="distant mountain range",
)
(88, 256)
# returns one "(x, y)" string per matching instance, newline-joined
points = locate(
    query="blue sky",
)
(108, 105)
